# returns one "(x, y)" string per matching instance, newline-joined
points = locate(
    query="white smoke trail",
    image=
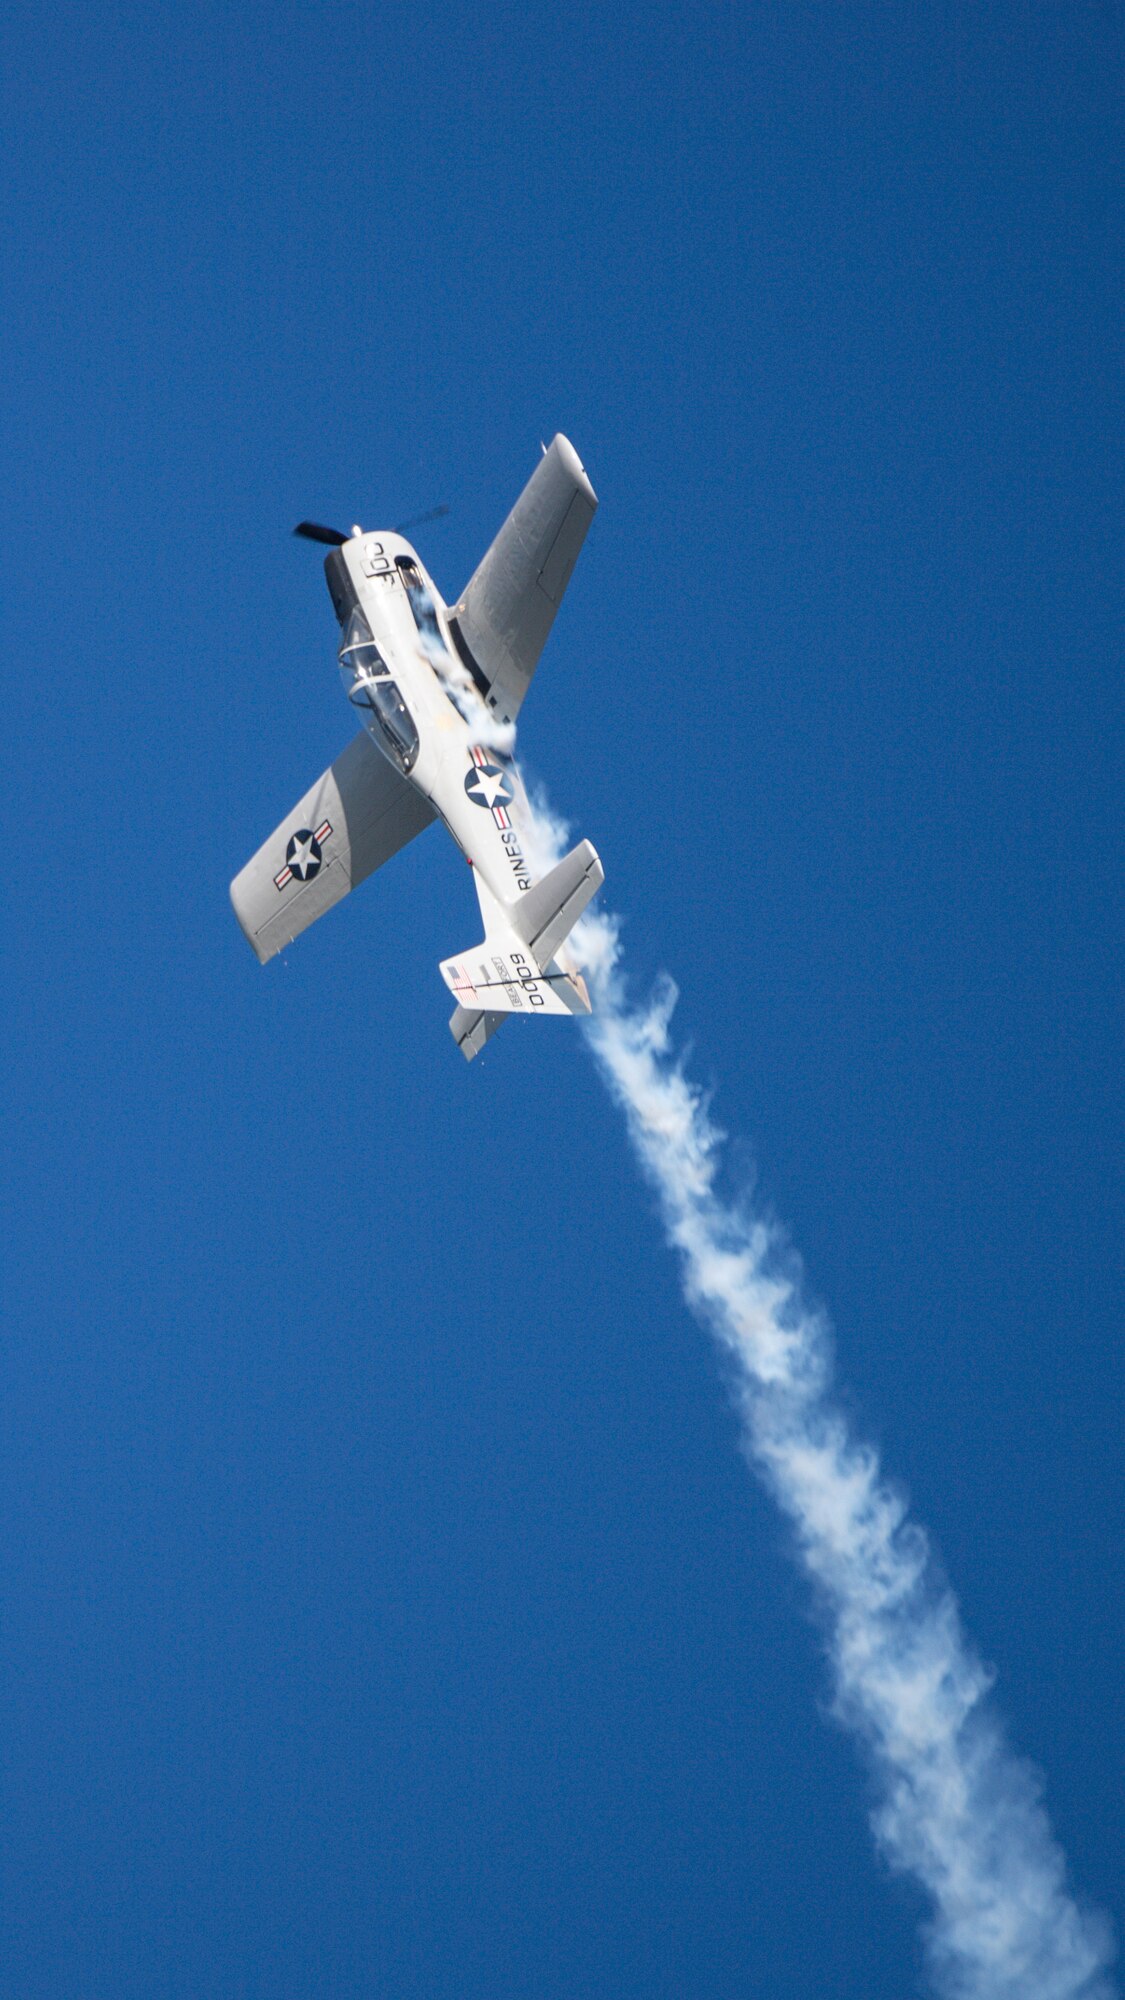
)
(958, 1810)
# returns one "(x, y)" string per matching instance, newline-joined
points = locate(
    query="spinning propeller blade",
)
(313, 532)
(416, 520)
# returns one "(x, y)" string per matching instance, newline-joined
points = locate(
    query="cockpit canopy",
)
(371, 688)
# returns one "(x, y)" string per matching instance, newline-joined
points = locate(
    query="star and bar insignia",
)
(487, 785)
(303, 856)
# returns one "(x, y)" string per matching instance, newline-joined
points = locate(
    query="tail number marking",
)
(528, 976)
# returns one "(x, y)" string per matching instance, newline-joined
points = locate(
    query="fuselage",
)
(424, 706)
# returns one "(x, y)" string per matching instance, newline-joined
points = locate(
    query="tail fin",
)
(516, 970)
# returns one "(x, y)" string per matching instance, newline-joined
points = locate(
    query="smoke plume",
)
(956, 1808)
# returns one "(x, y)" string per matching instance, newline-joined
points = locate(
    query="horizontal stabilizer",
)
(546, 914)
(471, 1030)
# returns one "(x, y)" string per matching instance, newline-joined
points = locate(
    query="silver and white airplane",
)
(438, 689)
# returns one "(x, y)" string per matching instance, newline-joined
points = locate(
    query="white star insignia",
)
(492, 785)
(302, 859)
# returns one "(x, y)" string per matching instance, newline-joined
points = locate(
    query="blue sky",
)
(386, 1606)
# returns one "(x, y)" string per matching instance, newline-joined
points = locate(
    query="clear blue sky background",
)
(386, 1609)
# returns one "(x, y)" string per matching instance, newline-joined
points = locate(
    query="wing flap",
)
(358, 813)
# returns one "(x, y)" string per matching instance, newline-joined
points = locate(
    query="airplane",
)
(438, 689)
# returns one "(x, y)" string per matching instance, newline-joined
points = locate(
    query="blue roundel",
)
(303, 855)
(487, 786)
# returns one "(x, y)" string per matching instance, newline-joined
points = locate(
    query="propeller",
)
(312, 531)
(417, 520)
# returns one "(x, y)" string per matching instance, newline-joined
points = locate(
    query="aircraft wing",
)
(502, 621)
(354, 818)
